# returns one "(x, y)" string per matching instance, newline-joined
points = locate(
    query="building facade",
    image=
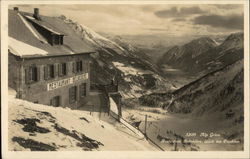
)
(46, 65)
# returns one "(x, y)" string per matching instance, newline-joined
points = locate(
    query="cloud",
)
(157, 29)
(228, 6)
(178, 20)
(182, 12)
(229, 22)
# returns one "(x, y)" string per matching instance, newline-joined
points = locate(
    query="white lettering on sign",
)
(64, 82)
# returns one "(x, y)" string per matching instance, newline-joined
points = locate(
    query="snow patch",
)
(127, 70)
(20, 48)
(30, 28)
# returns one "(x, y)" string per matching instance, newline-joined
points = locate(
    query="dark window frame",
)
(72, 94)
(83, 90)
(49, 71)
(32, 74)
(62, 69)
(79, 66)
(55, 101)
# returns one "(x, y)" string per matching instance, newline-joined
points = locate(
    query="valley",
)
(192, 87)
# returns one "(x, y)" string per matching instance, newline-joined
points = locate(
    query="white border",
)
(118, 154)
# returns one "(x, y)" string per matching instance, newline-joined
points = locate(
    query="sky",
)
(148, 19)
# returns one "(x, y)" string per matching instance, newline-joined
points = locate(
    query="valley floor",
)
(164, 128)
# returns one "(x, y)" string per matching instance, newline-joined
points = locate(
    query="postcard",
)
(125, 79)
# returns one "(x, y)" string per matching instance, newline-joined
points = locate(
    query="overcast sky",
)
(167, 19)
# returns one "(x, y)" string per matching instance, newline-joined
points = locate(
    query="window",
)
(83, 90)
(49, 71)
(62, 69)
(57, 39)
(32, 74)
(78, 66)
(55, 101)
(72, 94)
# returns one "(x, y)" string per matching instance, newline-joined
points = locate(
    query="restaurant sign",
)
(64, 82)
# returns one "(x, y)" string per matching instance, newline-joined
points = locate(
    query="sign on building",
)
(64, 82)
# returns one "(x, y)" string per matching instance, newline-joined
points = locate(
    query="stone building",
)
(48, 61)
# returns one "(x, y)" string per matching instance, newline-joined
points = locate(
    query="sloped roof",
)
(23, 32)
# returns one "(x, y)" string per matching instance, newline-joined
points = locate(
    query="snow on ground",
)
(128, 70)
(160, 123)
(21, 49)
(35, 127)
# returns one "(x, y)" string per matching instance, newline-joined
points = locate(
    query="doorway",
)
(55, 101)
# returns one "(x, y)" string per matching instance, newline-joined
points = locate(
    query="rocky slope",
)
(134, 71)
(204, 55)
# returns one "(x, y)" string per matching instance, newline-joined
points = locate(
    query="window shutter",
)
(60, 69)
(55, 70)
(70, 95)
(67, 68)
(74, 67)
(45, 72)
(85, 89)
(83, 65)
(38, 73)
(27, 81)
(87, 66)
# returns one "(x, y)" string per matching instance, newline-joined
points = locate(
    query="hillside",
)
(204, 55)
(215, 99)
(182, 56)
(35, 127)
(217, 91)
(133, 69)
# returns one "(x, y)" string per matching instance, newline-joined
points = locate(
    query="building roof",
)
(25, 41)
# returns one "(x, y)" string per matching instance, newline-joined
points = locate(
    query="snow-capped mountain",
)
(116, 59)
(204, 54)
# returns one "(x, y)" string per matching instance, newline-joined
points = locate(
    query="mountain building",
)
(48, 62)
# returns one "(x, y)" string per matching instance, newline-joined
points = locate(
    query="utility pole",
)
(146, 116)
(175, 144)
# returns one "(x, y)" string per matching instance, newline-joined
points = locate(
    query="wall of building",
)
(14, 74)
(37, 91)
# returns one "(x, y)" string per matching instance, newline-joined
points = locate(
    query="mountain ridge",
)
(208, 57)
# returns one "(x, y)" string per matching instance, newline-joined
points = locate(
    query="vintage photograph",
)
(126, 77)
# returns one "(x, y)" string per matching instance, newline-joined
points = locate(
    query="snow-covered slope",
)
(217, 96)
(113, 58)
(35, 127)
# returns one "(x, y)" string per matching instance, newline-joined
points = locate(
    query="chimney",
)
(36, 14)
(15, 9)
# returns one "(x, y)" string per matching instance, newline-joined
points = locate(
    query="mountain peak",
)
(203, 41)
(234, 40)
(238, 35)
